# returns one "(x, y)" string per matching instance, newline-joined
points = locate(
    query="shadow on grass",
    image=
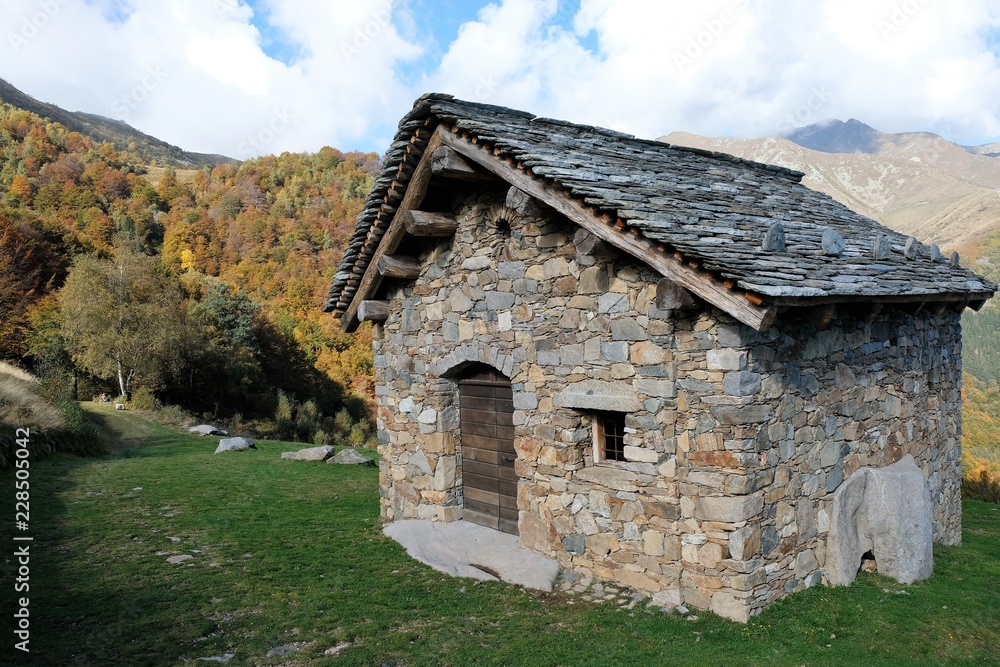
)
(79, 616)
(101, 589)
(287, 553)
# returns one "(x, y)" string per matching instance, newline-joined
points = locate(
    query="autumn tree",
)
(122, 317)
(30, 265)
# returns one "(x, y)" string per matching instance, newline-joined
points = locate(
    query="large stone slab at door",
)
(886, 511)
(486, 408)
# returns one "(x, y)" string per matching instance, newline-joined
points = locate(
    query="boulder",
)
(206, 429)
(310, 454)
(886, 511)
(350, 457)
(234, 445)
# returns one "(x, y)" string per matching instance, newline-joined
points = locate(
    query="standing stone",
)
(881, 248)
(886, 511)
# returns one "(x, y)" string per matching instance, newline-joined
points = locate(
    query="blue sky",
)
(245, 78)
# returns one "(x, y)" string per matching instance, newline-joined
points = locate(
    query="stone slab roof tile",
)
(712, 207)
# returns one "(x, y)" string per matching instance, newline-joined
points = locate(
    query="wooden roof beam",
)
(373, 311)
(446, 163)
(395, 266)
(425, 223)
(415, 190)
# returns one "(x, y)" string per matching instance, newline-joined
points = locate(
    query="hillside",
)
(916, 183)
(244, 252)
(119, 134)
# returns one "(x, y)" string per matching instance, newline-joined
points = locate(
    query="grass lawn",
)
(291, 552)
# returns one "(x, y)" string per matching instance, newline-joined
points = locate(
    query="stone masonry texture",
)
(738, 439)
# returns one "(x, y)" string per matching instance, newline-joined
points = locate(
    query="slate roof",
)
(713, 208)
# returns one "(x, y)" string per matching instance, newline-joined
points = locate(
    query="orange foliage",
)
(273, 227)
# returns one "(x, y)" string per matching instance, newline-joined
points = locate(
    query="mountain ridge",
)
(120, 134)
(916, 183)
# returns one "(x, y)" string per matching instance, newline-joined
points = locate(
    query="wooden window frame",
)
(601, 437)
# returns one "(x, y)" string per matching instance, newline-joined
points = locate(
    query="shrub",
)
(143, 399)
(981, 484)
(358, 436)
(266, 429)
(981, 475)
(55, 424)
(981, 480)
(174, 415)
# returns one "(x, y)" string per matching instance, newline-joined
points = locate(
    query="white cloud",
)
(196, 74)
(745, 67)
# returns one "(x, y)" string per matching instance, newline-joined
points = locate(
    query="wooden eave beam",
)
(415, 190)
(954, 298)
(760, 317)
(446, 163)
(396, 266)
(373, 311)
(427, 224)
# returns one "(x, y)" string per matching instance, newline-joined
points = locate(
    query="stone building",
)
(654, 363)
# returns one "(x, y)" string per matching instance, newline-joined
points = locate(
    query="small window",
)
(609, 435)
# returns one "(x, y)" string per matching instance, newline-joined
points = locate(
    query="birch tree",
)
(121, 317)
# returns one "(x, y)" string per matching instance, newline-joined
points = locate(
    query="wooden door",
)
(487, 436)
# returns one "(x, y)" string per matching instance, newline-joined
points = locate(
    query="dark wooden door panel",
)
(508, 493)
(470, 467)
(479, 403)
(482, 442)
(481, 455)
(479, 416)
(489, 497)
(486, 410)
(482, 482)
(471, 389)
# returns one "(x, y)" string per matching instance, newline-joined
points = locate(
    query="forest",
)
(200, 289)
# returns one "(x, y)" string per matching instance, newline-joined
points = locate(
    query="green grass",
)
(291, 552)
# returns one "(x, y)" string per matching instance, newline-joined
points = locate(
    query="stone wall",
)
(770, 424)
(735, 441)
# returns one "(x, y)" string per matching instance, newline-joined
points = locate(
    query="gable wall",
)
(553, 318)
